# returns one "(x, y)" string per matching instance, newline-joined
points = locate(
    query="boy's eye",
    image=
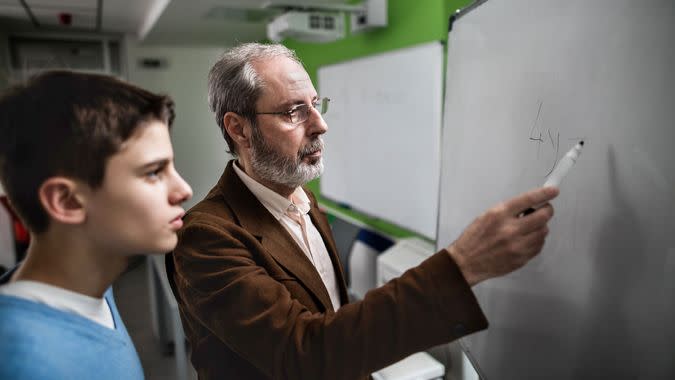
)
(154, 174)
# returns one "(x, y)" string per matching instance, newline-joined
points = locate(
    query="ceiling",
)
(184, 22)
(126, 16)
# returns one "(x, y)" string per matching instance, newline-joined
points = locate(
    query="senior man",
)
(262, 293)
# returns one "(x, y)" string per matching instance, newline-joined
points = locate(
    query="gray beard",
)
(274, 167)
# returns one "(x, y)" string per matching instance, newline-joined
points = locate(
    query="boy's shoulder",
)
(28, 322)
(29, 335)
(37, 341)
(31, 327)
(18, 313)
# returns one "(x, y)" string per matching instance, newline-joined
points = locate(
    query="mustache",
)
(312, 147)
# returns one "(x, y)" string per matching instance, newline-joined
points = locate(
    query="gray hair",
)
(235, 86)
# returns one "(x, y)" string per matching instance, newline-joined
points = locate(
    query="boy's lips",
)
(177, 222)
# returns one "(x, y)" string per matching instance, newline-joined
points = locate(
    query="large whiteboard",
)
(526, 79)
(384, 125)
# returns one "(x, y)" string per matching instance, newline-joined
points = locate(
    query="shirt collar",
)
(273, 202)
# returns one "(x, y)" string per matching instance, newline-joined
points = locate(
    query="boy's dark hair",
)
(62, 123)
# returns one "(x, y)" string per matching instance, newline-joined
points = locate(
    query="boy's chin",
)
(160, 248)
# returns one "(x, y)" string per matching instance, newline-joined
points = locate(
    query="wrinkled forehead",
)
(284, 80)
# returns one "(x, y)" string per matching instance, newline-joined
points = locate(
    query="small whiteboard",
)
(383, 142)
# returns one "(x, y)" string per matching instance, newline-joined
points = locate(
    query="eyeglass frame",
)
(320, 105)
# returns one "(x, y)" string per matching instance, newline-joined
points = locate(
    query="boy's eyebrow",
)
(157, 162)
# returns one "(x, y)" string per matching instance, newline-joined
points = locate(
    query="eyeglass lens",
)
(301, 113)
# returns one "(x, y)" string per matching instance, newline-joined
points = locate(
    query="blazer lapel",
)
(276, 240)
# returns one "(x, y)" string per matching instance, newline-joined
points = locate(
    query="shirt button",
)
(459, 329)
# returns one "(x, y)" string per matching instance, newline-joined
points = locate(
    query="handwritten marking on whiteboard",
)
(537, 136)
(534, 126)
(556, 146)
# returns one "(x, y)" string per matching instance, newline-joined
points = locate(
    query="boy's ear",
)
(239, 129)
(61, 200)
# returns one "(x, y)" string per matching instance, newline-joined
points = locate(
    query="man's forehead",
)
(298, 75)
(281, 69)
(283, 78)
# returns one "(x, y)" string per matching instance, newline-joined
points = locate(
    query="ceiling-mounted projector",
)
(307, 26)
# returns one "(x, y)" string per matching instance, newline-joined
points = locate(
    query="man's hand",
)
(500, 241)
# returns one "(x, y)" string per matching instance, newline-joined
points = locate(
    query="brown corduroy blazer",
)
(254, 307)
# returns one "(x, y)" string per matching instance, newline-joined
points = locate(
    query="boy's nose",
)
(181, 192)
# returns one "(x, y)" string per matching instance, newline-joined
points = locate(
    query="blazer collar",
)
(256, 219)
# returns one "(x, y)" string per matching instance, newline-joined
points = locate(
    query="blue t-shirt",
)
(40, 342)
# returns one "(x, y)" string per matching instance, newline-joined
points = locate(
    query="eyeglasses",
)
(300, 113)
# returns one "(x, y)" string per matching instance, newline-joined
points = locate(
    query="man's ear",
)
(61, 200)
(239, 129)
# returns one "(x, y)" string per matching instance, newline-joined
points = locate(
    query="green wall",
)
(409, 23)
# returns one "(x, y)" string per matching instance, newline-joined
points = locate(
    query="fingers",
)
(536, 220)
(499, 241)
(532, 198)
(531, 244)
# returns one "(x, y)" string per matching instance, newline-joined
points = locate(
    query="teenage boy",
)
(87, 163)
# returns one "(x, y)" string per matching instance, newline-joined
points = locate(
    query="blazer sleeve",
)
(227, 291)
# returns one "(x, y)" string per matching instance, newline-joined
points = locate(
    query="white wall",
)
(199, 148)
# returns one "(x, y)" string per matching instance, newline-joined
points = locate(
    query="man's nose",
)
(316, 124)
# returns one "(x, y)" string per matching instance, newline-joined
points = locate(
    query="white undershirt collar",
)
(95, 309)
